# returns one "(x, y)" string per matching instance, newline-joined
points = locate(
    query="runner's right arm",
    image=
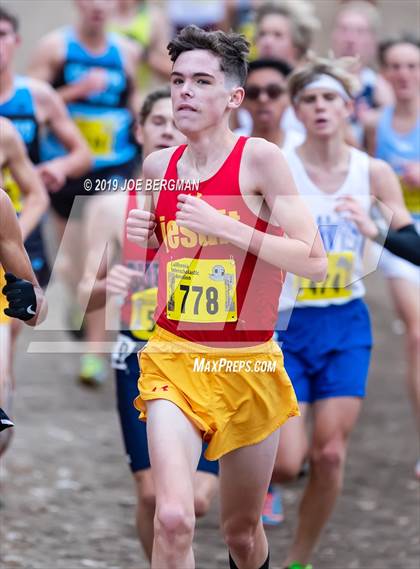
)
(104, 232)
(141, 223)
(15, 260)
(25, 175)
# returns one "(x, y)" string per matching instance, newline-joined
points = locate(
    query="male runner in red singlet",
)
(211, 369)
(126, 281)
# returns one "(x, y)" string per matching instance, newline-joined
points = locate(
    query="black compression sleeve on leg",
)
(404, 242)
(265, 565)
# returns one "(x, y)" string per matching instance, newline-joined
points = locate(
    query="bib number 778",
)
(201, 290)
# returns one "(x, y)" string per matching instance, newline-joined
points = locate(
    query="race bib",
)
(201, 290)
(98, 134)
(123, 347)
(12, 189)
(336, 285)
(143, 305)
(411, 198)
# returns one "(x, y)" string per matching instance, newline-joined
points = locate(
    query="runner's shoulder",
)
(261, 151)
(8, 131)
(380, 174)
(52, 46)
(156, 163)
(132, 51)
(379, 168)
(41, 90)
(261, 156)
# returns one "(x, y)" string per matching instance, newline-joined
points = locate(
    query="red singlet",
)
(211, 292)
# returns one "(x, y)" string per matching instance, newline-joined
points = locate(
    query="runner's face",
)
(274, 39)
(199, 90)
(159, 130)
(95, 13)
(402, 70)
(322, 111)
(9, 40)
(266, 110)
(353, 36)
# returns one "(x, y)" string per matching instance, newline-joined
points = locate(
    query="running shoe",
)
(93, 370)
(273, 508)
(5, 422)
(298, 566)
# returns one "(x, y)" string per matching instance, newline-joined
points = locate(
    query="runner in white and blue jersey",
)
(327, 342)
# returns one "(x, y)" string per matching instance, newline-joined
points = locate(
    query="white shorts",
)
(393, 267)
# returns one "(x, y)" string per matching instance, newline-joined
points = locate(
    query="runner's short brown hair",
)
(231, 48)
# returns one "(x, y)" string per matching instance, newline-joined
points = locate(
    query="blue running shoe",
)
(273, 508)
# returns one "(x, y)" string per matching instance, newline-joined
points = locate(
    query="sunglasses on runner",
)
(273, 91)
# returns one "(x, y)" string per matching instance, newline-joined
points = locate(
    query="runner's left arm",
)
(402, 238)
(25, 296)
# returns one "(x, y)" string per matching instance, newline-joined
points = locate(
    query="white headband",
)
(326, 81)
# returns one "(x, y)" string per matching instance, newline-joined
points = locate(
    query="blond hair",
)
(365, 9)
(340, 69)
(301, 15)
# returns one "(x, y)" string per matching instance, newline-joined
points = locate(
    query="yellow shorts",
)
(235, 397)
(3, 302)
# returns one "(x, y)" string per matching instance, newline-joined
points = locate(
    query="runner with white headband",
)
(328, 340)
(324, 81)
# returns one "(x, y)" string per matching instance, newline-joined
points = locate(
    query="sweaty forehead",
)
(198, 61)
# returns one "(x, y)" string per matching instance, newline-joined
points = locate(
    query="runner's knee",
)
(240, 537)
(174, 522)
(328, 460)
(286, 470)
(146, 498)
(201, 505)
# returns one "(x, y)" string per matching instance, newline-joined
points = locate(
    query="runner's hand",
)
(140, 226)
(95, 81)
(354, 211)
(120, 280)
(52, 175)
(199, 216)
(411, 175)
(20, 295)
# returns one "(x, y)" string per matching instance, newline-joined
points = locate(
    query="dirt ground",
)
(67, 494)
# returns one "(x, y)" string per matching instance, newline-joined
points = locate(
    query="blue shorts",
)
(134, 430)
(327, 350)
